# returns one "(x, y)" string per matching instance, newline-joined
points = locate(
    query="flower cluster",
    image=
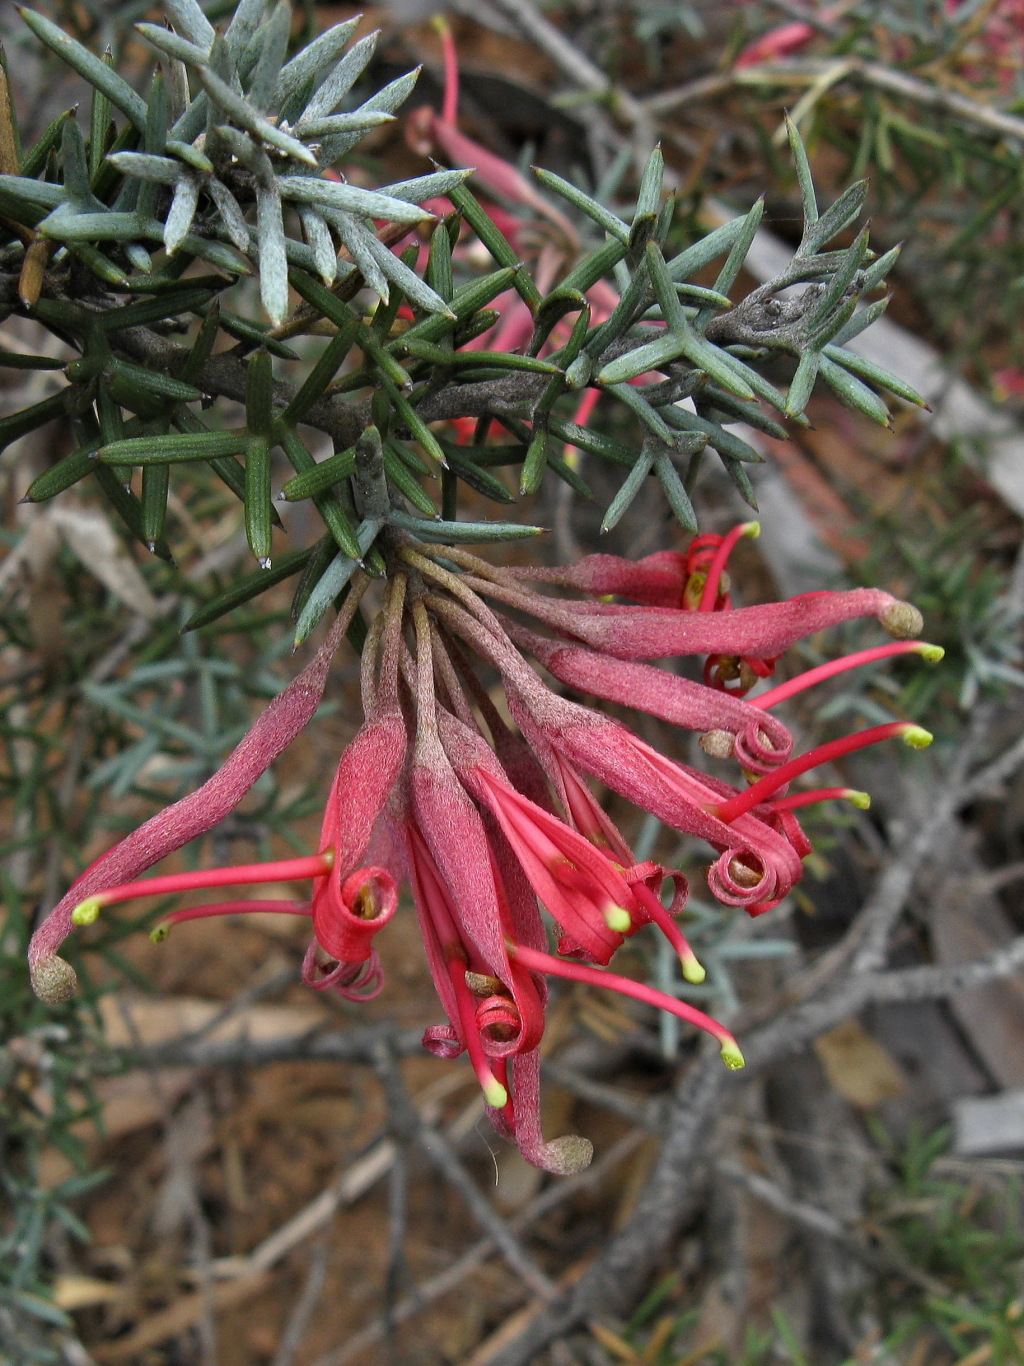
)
(488, 822)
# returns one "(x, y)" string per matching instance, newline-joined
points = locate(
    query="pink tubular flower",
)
(53, 979)
(762, 633)
(490, 821)
(782, 41)
(778, 42)
(759, 740)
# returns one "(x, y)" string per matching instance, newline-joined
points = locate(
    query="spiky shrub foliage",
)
(147, 228)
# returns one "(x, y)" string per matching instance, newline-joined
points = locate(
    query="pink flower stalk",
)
(761, 633)
(427, 132)
(490, 821)
(761, 742)
(657, 580)
(759, 860)
(424, 128)
(768, 866)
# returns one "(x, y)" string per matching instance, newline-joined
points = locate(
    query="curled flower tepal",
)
(492, 821)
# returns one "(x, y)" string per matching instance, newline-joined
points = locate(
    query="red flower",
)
(488, 825)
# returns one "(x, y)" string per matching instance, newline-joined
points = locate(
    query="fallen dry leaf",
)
(858, 1067)
(991, 1016)
(92, 538)
(82, 1292)
(156, 1020)
(181, 1315)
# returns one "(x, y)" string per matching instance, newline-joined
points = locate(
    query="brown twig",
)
(819, 1221)
(928, 95)
(455, 1276)
(410, 1124)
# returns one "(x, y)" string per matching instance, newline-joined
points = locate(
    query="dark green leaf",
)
(248, 588)
(172, 448)
(630, 488)
(335, 517)
(28, 419)
(596, 212)
(495, 241)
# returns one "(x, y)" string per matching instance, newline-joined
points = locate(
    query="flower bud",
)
(902, 620)
(54, 980)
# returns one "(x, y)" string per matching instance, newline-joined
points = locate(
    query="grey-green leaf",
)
(230, 213)
(238, 109)
(333, 580)
(356, 238)
(852, 392)
(275, 35)
(273, 260)
(320, 243)
(314, 59)
(675, 493)
(426, 186)
(348, 199)
(701, 253)
(360, 120)
(631, 486)
(875, 374)
(92, 68)
(468, 533)
(343, 78)
(181, 213)
(803, 382)
(173, 45)
(387, 99)
(190, 19)
(597, 213)
(244, 23)
(158, 170)
(842, 213)
(803, 172)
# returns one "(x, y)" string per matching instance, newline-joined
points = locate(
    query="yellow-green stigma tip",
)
(752, 529)
(87, 911)
(861, 800)
(160, 932)
(495, 1095)
(917, 737)
(693, 971)
(617, 918)
(731, 1055)
(932, 653)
